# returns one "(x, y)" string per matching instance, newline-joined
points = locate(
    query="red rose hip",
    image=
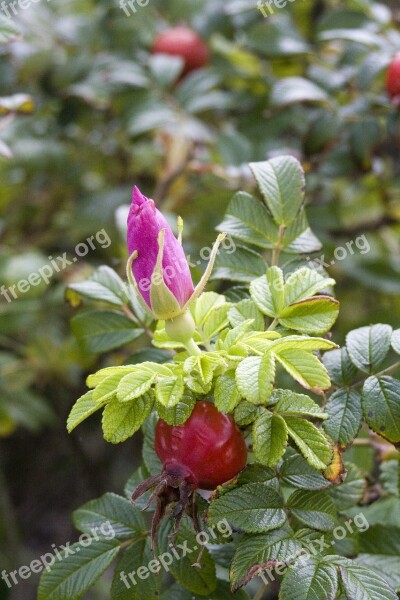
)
(204, 452)
(207, 450)
(184, 42)
(393, 79)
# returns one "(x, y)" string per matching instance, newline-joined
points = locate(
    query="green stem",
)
(278, 246)
(192, 348)
(274, 323)
(260, 592)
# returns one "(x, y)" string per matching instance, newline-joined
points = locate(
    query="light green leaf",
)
(305, 368)
(310, 441)
(291, 404)
(116, 512)
(76, 573)
(281, 181)
(97, 378)
(122, 419)
(246, 413)
(216, 321)
(267, 292)
(255, 376)
(345, 416)
(368, 346)
(100, 331)
(315, 315)
(83, 408)
(381, 406)
(243, 311)
(301, 342)
(313, 508)
(135, 384)
(242, 265)
(247, 220)
(177, 415)
(256, 553)
(269, 438)
(254, 507)
(313, 580)
(107, 389)
(205, 305)
(169, 391)
(226, 393)
(304, 283)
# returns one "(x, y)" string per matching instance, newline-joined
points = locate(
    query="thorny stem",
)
(387, 371)
(278, 246)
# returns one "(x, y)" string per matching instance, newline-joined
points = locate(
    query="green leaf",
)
(255, 376)
(313, 580)
(100, 331)
(83, 408)
(216, 321)
(107, 389)
(298, 237)
(135, 384)
(313, 508)
(205, 305)
(292, 90)
(368, 346)
(169, 391)
(315, 315)
(247, 220)
(97, 378)
(241, 265)
(104, 285)
(281, 181)
(268, 292)
(254, 508)
(362, 582)
(340, 368)
(201, 581)
(351, 491)
(119, 514)
(304, 283)
(257, 553)
(381, 406)
(291, 404)
(137, 556)
(395, 341)
(246, 413)
(379, 549)
(243, 311)
(222, 592)
(310, 441)
(121, 420)
(269, 438)
(305, 368)
(296, 472)
(226, 393)
(150, 458)
(76, 573)
(390, 476)
(178, 414)
(301, 342)
(345, 416)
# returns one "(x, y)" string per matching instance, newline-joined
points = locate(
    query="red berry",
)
(393, 78)
(204, 452)
(207, 450)
(184, 42)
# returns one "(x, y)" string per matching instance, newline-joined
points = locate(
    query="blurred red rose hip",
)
(393, 79)
(184, 42)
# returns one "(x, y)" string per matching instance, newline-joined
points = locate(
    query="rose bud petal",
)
(159, 266)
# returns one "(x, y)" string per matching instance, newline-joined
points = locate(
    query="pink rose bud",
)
(159, 266)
